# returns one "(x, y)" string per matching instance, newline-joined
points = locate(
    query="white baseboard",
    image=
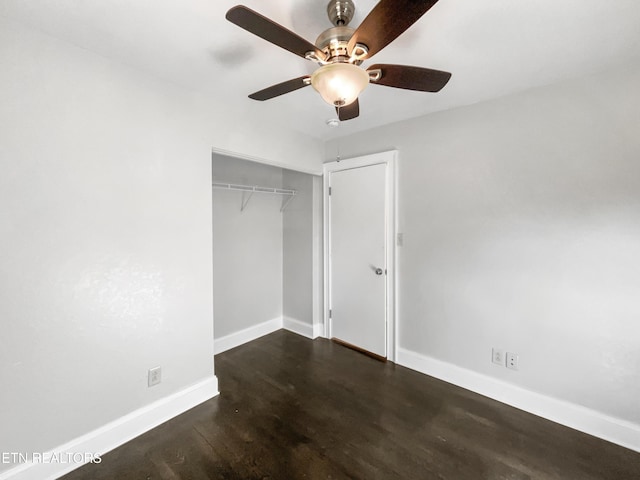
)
(615, 430)
(301, 328)
(236, 339)
(114, 434)
(318, 330)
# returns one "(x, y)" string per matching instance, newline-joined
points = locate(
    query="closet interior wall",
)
(301, 255)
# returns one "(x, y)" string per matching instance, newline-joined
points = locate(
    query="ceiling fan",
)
(340, 50)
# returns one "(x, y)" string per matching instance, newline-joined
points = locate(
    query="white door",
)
(357, 266)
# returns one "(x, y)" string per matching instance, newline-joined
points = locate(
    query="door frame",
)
(388, 158)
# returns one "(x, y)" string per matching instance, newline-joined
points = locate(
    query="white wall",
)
(318, 256)
(103, 275)
(247, 248)
(298, 272)
(105, 236)
(521, 222)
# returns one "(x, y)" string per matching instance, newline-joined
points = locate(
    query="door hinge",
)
(329, 190)
(330, 313)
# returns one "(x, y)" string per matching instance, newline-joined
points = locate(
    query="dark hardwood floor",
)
(292, 408)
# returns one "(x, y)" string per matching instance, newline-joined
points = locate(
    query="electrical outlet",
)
(154, 377)
(512, 361)
(497, 356)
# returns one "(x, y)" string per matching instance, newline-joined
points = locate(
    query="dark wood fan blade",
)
(270, 31)
(348, 112)
(410, 78)
(280, 89)
(387, 21)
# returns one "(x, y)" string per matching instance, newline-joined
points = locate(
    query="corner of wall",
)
(246, 335)
(301, 328)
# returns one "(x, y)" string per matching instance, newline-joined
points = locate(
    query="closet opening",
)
(267, 251)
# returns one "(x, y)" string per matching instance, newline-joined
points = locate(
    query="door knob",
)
(379, 271)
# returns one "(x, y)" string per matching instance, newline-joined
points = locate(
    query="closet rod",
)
(251, 189)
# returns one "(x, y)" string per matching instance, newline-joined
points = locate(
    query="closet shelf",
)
(251, 189)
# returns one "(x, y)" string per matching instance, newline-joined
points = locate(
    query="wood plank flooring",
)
(292, 408)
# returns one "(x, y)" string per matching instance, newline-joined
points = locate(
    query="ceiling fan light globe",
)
(339, 83)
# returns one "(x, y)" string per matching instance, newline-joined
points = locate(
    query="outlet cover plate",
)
(497, 356)
(155, 376)
(512, 361)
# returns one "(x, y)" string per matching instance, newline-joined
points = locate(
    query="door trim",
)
(389, 159)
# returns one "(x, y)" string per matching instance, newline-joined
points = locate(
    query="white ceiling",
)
(492, 47)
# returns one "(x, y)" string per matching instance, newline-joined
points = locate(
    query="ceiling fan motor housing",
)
(333, 42)
(340, 12)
